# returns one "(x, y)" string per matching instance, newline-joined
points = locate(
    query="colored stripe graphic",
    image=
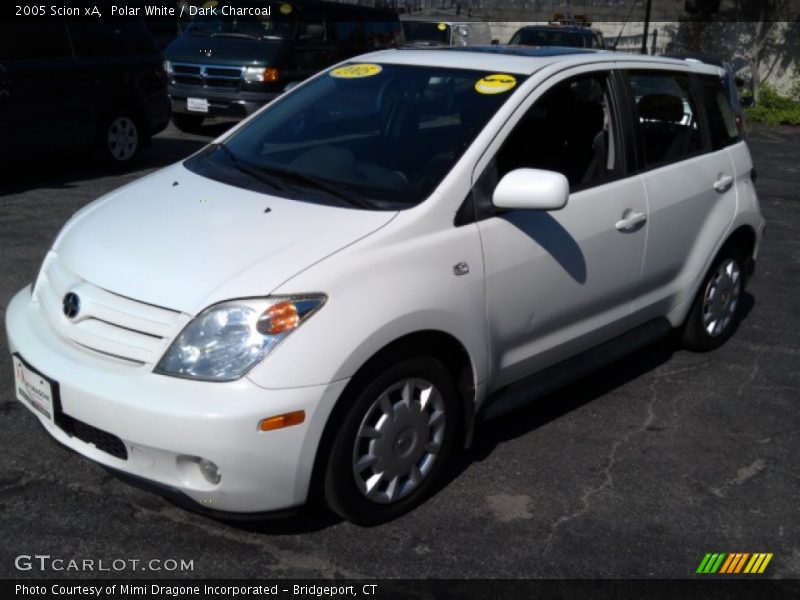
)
(734, 563)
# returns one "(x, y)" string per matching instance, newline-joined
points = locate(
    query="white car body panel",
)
(518, 291)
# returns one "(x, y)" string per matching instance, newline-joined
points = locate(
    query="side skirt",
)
(570, 370)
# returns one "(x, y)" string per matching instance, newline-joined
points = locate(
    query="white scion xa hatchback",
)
(329, 297)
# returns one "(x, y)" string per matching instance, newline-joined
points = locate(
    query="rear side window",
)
(104, 39)
(721, 120)
(667, 115)
(33, 41)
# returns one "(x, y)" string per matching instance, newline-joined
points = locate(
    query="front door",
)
(558, 282)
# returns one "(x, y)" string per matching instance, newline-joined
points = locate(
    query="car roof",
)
(522, 60)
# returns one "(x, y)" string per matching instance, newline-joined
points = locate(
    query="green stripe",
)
(718, 564)
(701, 568)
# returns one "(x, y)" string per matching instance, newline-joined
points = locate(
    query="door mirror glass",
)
(533, 189)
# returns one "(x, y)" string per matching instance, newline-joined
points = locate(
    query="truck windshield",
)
(419, 33)
(267, 21)
(551, 37)
(378, 136)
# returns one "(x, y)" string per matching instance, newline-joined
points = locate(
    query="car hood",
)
(182, 241)
(226, 50)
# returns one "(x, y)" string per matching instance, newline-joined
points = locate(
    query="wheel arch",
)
(434, 343)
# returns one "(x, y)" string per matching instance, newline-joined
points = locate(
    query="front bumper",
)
(160, 419)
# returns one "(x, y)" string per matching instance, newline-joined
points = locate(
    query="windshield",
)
(365, 135)
(266, 21)
(551, 37)
(426, 34)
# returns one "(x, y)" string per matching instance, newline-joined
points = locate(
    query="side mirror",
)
(739, 82)
(532, 189)
(495, 42)
(748, 102)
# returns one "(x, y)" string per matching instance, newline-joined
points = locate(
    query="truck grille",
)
(109, 325)
(207, 75)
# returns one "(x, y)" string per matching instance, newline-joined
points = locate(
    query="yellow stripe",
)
(728, 561)
(753, 564)
(741, 562)
(765, 563)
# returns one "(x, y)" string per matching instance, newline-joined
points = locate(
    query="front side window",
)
(571, 130)
(667, 116)
(382, 136)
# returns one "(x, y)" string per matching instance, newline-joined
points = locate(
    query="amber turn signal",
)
(279, 318)
(281, 421)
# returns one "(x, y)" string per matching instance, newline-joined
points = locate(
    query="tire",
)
(716, 312)
(187, 123)
(121, 139)
(390, 451)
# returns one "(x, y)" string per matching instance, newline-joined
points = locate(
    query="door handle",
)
(723, 183)
(630, 220)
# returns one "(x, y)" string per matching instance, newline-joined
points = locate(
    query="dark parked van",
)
(65, 86)
(236, 58)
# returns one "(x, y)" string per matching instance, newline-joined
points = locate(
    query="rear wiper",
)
(253, 172)
(330, 187)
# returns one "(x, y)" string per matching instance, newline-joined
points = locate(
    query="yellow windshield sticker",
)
(357, 70)
(495, 84)
(286, 9)
(442, 26)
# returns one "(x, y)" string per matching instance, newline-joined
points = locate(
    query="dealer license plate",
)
(197, 104)
(33, 388)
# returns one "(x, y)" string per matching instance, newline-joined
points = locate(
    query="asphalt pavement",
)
(636, 471)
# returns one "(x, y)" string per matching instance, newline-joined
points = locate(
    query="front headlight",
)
(226, 340)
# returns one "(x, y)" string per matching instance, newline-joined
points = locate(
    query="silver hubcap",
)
(123, 138)
(721, 298)
(399, 440)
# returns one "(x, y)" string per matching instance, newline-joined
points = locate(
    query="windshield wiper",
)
(334, 189)
(253, 172)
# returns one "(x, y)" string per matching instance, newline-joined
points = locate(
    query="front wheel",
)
(394, 443)
(715, 313)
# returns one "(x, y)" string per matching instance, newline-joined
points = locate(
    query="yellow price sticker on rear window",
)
(441, 26)
(286, 9)
(495, 84)
(357, 70)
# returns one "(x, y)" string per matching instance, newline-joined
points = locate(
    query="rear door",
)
(689, 184)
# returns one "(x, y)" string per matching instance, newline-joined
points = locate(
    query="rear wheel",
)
(394, 443)
(187, 123)
(120, 139)
(715, 313)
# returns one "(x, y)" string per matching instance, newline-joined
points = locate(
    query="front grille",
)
(102, 440)
(206, 75)
(110, 326)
